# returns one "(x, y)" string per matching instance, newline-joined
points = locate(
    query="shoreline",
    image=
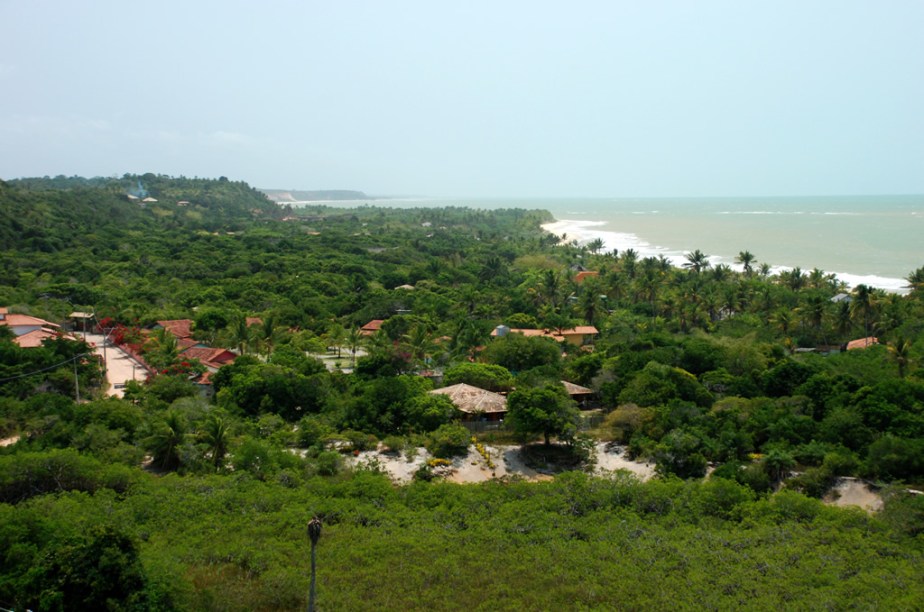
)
(584, 231)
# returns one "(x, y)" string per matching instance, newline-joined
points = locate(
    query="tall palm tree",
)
(916, 281)
(419, 344)
(265, 335)
(241, 335)
(215, 435)
(863, 305)
(596, 245)
(901, 354)
(354, 340)
(629, 259)
(162, 350)
(550, 286)
(697, 261)
(166, 440)
(747, 260)
(336, 335)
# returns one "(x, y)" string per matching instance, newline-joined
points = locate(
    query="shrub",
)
(328, 463)
(448, 440)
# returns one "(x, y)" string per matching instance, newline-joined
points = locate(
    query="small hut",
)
(475, 403)
(581, 395)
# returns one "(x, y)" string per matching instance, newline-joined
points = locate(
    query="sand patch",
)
(854, 492)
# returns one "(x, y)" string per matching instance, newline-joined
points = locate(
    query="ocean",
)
(874, 240)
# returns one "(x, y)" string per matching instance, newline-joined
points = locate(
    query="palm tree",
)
(721, 272)
(354, 340)
(596, 245)
(795, 279)
(901, 354)
(419, 344)
(863, 305)
(265, 335)
(782, 318)
(241, 335)
(916, 281)
(215, 436)
(336, 335)
(697, 261)
(166, 440)
(629, 259)
(164, 350)
(814, 312)
(550, 286)
(747, 260)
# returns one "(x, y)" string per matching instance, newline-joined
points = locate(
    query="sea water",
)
(874, 240)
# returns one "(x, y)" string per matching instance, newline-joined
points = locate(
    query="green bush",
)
(448, 440)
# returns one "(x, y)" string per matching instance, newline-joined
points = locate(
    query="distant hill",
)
(323, 195)
(49, 214)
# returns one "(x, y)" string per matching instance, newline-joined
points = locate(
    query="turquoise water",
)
(877, 240)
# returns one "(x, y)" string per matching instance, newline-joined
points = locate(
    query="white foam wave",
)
(585, 232)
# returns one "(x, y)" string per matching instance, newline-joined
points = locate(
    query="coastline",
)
(584, 231)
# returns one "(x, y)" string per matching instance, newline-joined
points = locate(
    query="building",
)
(29, 331)
(371, 327)
(474, 403)
(575, 336)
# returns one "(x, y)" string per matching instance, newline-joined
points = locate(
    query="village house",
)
(581, 335)
(29, 331)
(371, 327)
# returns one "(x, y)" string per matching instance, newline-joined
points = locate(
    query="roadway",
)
(120, 367)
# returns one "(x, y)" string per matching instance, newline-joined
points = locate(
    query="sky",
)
(472, 99)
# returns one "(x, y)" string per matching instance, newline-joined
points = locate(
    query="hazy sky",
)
(473, 98)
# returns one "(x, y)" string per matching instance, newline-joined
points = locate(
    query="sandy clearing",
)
(507, 461)
(854, 492)
(611, 458)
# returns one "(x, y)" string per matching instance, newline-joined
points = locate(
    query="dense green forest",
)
(171, 499)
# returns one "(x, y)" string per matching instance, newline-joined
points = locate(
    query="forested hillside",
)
(202, 498)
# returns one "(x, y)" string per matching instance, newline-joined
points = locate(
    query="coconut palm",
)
(241, 335)
(863, 306)
(916, 281)
(215, 436)
(354, 340)
(901, 354)
(697, 261)
(747, 260)
(162, 350)
(629, 259)
(596, 245)
(419, 344)
(166, 440)
(264, 335)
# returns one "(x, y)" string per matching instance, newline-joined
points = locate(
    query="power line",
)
(57, 365)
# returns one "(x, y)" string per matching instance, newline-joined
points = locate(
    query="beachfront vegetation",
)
(693, 366)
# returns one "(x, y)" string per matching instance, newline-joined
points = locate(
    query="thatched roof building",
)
(475, 402)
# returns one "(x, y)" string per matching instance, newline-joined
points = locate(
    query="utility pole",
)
(76, 381)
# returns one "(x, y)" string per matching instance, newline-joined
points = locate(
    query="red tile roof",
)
(580, 330)
(181, 328)
(581, 276)
(19, 320)
(34, 338)
(371, 327)
(862, 343)
(209, 357)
